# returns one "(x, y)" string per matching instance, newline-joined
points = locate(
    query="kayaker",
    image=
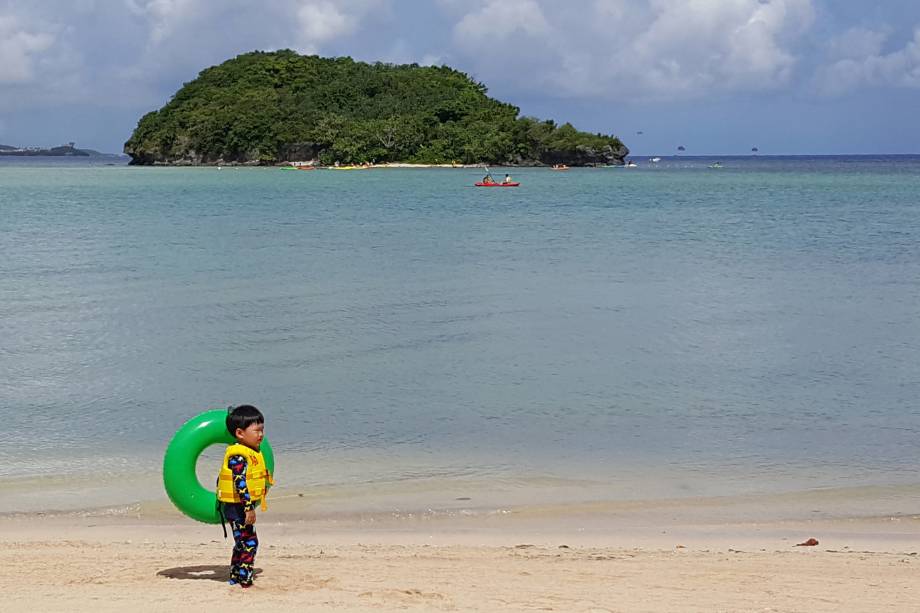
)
(507, 179)
(488, 179)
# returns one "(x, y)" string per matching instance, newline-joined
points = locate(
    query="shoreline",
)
(450, 511)
(307, 165)
(512, 527)
(327, 486)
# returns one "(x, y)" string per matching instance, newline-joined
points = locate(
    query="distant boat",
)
(716, 165)
(631, 164)
(755, 149)
(655, 160)
(560, 167)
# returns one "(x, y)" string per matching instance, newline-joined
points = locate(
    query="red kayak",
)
(513, 184)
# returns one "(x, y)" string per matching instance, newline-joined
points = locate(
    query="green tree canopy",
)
(266, 107)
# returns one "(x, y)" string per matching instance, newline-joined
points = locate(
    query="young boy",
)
(242, 483)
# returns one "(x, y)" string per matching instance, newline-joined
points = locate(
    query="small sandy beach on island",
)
(667, 555)
(313, 164)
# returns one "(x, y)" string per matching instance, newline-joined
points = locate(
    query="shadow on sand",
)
(209, 572)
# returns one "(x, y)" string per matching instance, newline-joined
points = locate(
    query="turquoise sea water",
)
(665, 330)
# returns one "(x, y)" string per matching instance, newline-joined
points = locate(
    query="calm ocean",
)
(665, 330)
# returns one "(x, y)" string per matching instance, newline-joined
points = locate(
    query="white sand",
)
(519, 561)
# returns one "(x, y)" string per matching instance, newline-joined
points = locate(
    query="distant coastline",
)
(68, 150)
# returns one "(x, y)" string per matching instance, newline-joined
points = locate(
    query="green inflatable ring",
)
(179, 477)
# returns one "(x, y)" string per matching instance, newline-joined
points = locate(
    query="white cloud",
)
(38, 65)
(856, 43)
(651, 48)
(20, 47)
(165, 16)
(321, 21)
(234, 26)
(872, 68)
(303, 24)
(502, 19)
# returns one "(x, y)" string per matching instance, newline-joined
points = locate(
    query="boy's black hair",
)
(242, 417)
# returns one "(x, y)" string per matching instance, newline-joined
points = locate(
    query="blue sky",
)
(717, 76)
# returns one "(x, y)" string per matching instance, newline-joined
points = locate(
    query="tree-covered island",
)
(270, 107)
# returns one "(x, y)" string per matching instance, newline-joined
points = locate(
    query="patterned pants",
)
(245, 545)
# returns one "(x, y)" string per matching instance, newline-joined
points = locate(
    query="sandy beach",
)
(149, 558)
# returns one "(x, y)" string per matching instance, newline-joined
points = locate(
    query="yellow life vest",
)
(258, 477)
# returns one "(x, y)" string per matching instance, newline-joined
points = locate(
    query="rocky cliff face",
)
(588, 156)
(177, 156)
(190, 157)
